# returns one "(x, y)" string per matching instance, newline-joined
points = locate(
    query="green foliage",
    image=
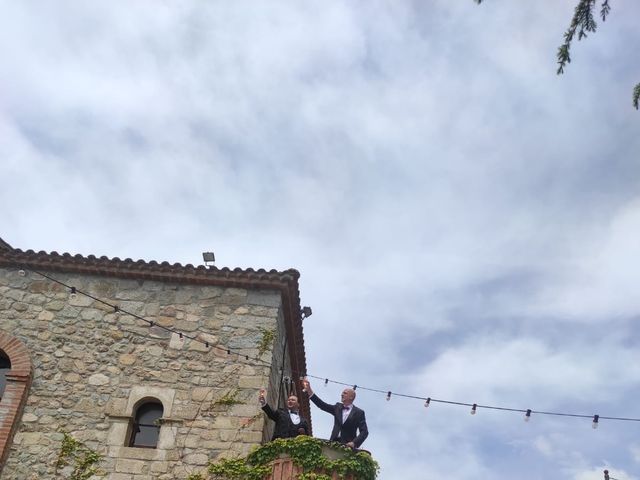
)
(195, 476)
(305, 452)
(75, 453)
(238, 469)
(229, 399)
(266, 342)
(583, 21)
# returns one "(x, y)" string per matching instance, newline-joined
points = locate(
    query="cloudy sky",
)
(466, 223)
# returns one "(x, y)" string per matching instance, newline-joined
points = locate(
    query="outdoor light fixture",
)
(306, 312)
(208, 258)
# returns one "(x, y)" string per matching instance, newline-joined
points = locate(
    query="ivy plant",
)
(306, 452)
(83, 460)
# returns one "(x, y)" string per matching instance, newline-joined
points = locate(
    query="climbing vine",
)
(306, 452)
(266, 342)
(82, 460)
(229, 399)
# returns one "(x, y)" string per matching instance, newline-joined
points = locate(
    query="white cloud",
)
(454, 207)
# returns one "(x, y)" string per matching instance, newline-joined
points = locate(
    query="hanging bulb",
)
(355, 387)
(527, 416)
(473, 409)
(594, 425)
(180, 335)
(22, 273)
(388, 396)
(116, 309)
(73, 293)
(427, 402)
(326, 381)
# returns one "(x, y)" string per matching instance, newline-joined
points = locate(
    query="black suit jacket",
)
(354, 429)
(285, 428)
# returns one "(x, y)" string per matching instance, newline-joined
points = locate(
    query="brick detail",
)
(285, 469)
(15, 393)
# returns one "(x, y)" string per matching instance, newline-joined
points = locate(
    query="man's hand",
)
(350, 445)
(261, 398)
(306, 386)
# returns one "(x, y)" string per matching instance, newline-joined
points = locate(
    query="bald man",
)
(349, 422)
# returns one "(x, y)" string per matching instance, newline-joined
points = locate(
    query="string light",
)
(428, 400)
(73, 293)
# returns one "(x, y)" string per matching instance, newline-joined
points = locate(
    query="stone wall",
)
(91, 365)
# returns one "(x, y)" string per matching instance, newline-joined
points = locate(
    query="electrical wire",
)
(387, 393)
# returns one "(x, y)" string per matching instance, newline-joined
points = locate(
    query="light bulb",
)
(73, 293)
(427, 402)
(388, 396)
(22, 273)
(527, 416)
(594, 425)
(473, 409)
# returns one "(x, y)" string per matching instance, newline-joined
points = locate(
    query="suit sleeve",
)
(270, 413)
(363, 431)
(322, 405)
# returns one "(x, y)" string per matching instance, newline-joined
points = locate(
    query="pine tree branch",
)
(582, 22)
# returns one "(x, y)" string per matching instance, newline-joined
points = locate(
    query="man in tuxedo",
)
(349, 422)
(289, 422)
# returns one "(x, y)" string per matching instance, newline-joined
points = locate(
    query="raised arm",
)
(322, 405)
(265, 406)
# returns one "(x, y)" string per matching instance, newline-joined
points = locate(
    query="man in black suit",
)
(289, 422)
(349, 422)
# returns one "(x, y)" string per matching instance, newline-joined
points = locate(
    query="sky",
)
(465, 221)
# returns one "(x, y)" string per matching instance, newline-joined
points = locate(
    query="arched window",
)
(146, 424)
(5, 366)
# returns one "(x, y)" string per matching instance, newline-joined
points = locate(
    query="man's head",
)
(292, 402)
(348, 396)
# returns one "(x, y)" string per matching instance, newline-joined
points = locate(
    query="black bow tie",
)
(346, 408)
(293, 411)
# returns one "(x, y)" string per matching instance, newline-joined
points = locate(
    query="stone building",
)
(156, 367)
